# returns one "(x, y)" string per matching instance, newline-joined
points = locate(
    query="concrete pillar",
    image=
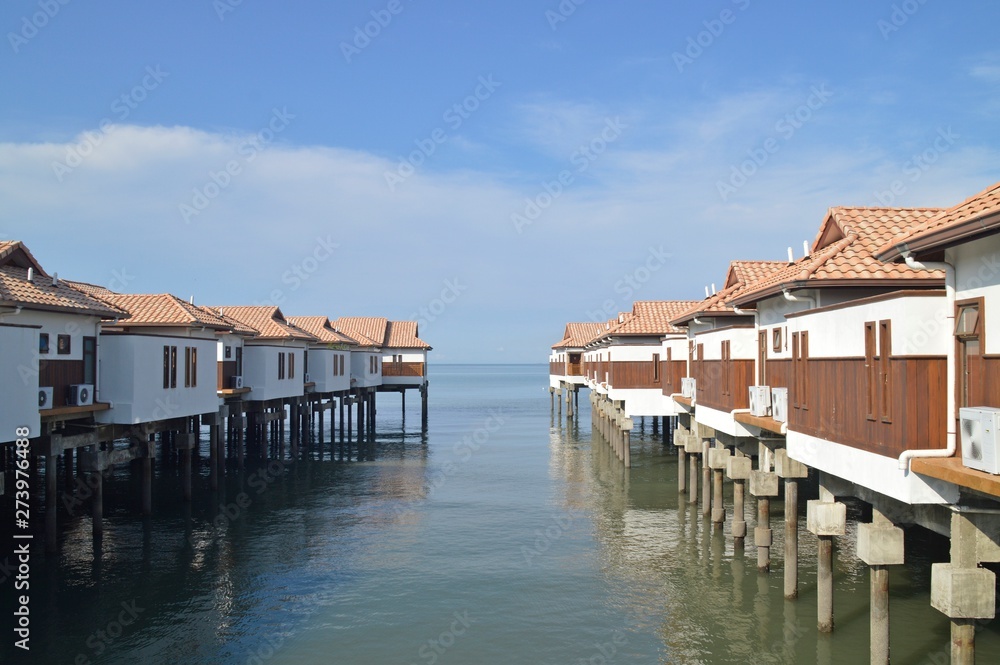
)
(423, 406)
(681, 470)
(825, 518)
(626, 448)
(51, 483)
(693, 478)
(960, 589)
(569, 403)
(880, 545)
(764, 486)
(706, 480)
(186, 469)
(341, 418)
(738, 468)
(718, 458)
(68, 468)
(146, 466)
(791, 471)
(97, 496)
(213, 454)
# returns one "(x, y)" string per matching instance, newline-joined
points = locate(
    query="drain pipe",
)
(806, 299)
(952, 438)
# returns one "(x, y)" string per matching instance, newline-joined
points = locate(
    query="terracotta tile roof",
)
(844, 252)
(91, 289)
(578, 334)
(161, 309)
(321, 328)
(17, 291)
(404, 335)
(977, 215)
(16, 253)
(369, 331)
(238, 327)
(651, 317)
(741, 277)
(266, 320)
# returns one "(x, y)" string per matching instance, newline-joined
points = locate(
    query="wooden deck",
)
(952, 470)
(769, 424)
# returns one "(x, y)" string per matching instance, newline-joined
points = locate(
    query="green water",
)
(504, 536)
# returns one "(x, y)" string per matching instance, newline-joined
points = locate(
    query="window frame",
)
(62, 350)
(44, 344)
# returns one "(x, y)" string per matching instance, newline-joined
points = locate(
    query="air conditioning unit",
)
(760, 401)
(779, 404)
(44, 398)
(81, 394)
(236, 382)
(980, 434)
(689, 387)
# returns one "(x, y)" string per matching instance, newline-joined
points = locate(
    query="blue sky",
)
(493, 169)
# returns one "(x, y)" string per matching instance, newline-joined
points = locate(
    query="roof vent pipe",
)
(31, 275)
(791, 255)
(707, 294)
(713, 288)
(805, 248)
(55, 279)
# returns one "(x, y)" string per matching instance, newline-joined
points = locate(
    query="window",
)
(762, 358)
(796, 378)
(173, 366)
(726, 354)
(90, 360)
(291, 365)
(885, 368)
(166, 367)
(43, 343)
(656, 368)
(63, 345)
(776, 340)
(187, 366)
(239, 361)
(229, 352)
(871, 370)
(281, 366)
(804, 368)
(967, 321)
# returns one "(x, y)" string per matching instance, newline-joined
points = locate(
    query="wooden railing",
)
(402, 369)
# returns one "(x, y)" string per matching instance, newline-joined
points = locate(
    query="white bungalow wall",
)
(131, 378)
(361, 374)
(19, 366)
(977, 275)
(260, 372)
(322, 363)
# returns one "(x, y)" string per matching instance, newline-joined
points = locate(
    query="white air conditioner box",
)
(779, 404)
(760, 401)
(689, 387)
(980, 432)
(81, 394)
(236, 382)
(44, 398)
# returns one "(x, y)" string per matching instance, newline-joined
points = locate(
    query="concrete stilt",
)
(341, 418)
(738, 468)
(880, 545)
(146, 466)
(68, 468)
(626, 448)
(569, 403)
(681, 470)
(706, 480)
(186, 470)
(960, 589)
(762, 534)
(718, 509)
(97, 497)
(423, 406)
(791, 539)
(693, 479)
(213, 454)
(51, 483)
(825, 518)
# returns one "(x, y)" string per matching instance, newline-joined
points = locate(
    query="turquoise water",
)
(504, 536)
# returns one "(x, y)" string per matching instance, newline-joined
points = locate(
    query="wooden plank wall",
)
(59, 375)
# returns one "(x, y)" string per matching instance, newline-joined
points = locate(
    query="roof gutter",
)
(952, 437)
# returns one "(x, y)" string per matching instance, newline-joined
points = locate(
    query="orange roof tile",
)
(651, 317)
(844, 253)
(404, 335)
(578, 334)
(369, 331)
(266, 320)
(161, 309)
(321, 328)
(977, 215)
(17, 291)
(741, 276)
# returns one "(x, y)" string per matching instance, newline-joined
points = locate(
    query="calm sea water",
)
(503, 536)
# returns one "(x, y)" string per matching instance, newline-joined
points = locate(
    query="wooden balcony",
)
(392, 369)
